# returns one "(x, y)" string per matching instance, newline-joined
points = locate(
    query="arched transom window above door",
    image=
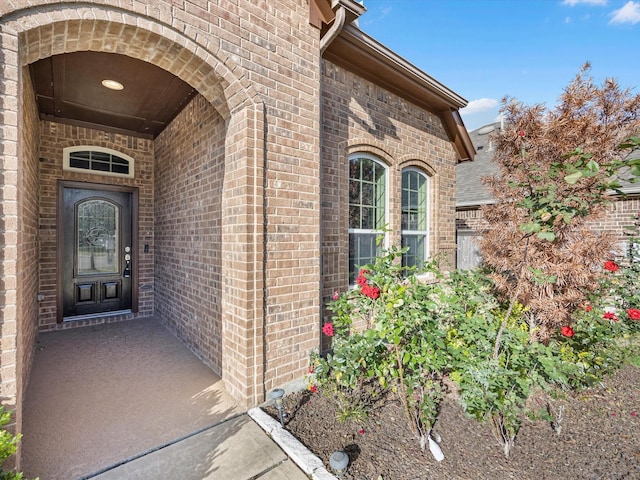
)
(98, 161)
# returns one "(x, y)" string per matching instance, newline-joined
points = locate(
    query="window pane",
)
(81, 155)
(99, 162)
(120, 169)
(368, 170)
(362, 250)
(415, 257)
(414, 217)
(100, 166)
(368, 196)
(354, 216)
(77, 163)
(366, 210)
(97, 237)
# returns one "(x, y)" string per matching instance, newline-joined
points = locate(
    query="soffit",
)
(68, 89)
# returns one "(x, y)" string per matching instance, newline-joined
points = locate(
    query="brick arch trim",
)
(368, 146)
(417, 162)
(55, 29)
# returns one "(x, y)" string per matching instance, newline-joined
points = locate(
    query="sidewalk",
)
(236, 449)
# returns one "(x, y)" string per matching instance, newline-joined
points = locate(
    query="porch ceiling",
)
(69, 89)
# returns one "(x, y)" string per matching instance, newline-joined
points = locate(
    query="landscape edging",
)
(301, 455)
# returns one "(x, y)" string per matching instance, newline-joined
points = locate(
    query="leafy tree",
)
(557, 171)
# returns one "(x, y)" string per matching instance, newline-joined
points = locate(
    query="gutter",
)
(334, 31)
(400, 64)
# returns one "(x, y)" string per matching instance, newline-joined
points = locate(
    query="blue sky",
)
(526, 49)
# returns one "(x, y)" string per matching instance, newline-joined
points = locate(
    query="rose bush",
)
(388, 340)
(555, 309)
(414, 335)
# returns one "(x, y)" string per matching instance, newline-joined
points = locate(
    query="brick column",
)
(243, 256)
(8, 217)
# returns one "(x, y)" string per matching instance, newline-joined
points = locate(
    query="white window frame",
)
(415, 233)
(66, 164)
(380, 231)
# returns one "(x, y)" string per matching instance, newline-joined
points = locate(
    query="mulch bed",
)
(600, 439)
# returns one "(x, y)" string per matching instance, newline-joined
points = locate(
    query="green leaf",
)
(573, 178)
(592, 167)
(550, 236)
(531, 227)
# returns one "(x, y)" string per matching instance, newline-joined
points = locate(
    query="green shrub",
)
(8, 446)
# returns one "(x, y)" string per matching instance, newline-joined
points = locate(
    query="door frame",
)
(60, 240)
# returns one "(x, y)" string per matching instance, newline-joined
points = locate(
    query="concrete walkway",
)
(237, 449)
(128, 400)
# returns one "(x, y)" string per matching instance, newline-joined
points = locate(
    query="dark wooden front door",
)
(97, 251)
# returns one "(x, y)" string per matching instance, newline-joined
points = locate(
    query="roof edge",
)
(360, 53)
(401, 64)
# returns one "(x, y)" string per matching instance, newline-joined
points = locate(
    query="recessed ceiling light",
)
(112, 85)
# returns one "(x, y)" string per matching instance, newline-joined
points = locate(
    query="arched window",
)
(367, 209)
(98, 160)
(415, 217)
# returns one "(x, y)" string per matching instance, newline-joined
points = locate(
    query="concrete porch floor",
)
(103, 394)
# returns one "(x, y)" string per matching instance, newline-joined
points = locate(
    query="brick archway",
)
(33, 33)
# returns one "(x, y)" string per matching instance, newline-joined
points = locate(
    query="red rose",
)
(611, 266)
(567, 331)
(370, 291)
(588, 308)
(336, 295)
(327, 329)
(634, 314)
(610, 316)
(313, 388)
(311, 368)
(361, 280)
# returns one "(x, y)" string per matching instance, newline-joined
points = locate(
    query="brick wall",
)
(256, 63)
(619, 214)
(359, 116)
(189, 175)
(471, 219)
(284, 64)
(54, 137)
(9, 255)
(27, 266)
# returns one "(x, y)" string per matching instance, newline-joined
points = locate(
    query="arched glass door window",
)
(415, 217)
(367, 209)
(97, 237)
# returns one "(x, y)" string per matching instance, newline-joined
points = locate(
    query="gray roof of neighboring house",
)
(471, 192)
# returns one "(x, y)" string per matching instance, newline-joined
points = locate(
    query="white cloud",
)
(479, 105)
(630, 13)
(573, 3)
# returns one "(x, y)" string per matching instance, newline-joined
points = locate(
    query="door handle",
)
(127, 262)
